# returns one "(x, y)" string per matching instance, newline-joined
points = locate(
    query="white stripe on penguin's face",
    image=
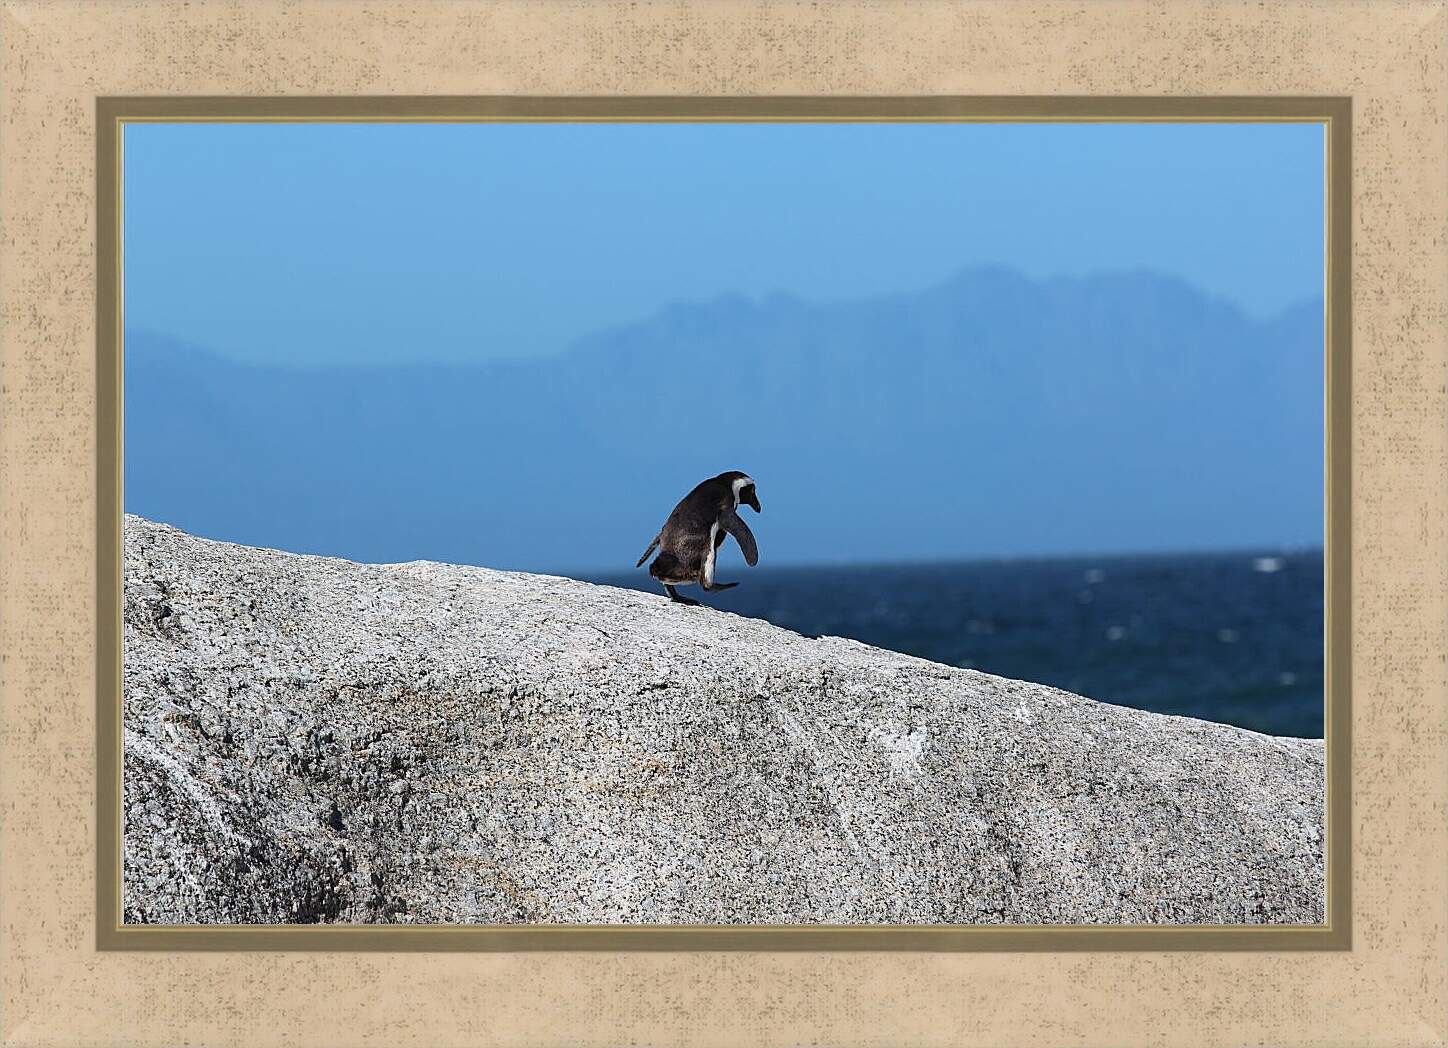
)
(709, 557)
(740, 483)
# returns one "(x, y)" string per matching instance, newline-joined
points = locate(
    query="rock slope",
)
(309, 739)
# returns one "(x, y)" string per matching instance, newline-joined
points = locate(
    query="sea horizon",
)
(1234, 637)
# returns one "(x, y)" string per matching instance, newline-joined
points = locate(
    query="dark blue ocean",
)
(1233, 637)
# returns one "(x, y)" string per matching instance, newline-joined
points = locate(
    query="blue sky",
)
(328, 244)
(946, 316)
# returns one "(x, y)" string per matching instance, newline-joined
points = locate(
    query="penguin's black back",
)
(699, 509)
(688, 535)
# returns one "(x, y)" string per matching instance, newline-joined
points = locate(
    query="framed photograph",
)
(381, 667)
(503, 546)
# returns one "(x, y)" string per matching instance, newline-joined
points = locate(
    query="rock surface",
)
(309, 739)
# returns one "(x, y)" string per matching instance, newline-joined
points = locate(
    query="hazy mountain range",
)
(990, 415)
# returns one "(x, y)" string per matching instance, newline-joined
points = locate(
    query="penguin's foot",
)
(674, 596)
(717, 586)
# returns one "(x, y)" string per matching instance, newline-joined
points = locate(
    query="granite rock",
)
(309, 739)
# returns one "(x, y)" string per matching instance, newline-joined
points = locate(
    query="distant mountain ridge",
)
(991, 414)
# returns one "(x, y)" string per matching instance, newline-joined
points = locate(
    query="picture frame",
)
(1374, 495)
(1333, 114)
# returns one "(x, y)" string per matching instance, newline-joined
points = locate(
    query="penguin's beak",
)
(752, 499)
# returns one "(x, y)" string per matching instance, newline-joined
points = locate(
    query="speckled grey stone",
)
(309, 739)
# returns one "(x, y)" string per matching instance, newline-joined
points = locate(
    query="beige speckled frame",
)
(1388, 58)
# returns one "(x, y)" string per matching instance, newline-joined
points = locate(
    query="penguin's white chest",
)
(709, 556)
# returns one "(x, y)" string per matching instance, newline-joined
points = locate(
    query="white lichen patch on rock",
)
(904, 750)
(308, 739)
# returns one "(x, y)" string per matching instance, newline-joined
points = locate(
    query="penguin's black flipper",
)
(734, 524)
(652, 546)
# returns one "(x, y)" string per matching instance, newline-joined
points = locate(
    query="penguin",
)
(695, 530)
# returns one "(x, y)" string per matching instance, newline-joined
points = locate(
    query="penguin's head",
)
(745, 492)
